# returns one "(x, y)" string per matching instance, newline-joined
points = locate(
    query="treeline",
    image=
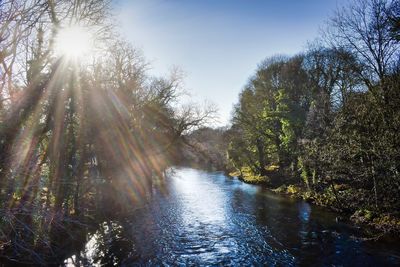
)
(328, 119)
(79, 141)
(205, 148)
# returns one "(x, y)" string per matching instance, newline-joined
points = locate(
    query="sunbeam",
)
(74, 42)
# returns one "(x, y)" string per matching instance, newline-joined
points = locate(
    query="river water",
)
(207, 218)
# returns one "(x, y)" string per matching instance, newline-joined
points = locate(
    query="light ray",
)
(74, 42)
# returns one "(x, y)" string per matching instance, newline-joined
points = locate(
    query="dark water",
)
(203, 218)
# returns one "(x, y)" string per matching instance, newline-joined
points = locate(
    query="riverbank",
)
(377, 223)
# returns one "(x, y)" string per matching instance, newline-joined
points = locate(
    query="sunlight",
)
(113, 151)
(73, 42)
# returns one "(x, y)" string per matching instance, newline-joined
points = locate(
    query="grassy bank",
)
(339, 198)
(247, 176)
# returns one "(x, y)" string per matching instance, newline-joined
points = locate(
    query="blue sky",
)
(218, 43)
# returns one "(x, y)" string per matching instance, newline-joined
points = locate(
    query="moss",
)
(234, 174)
(304, 173)
(272, 168)
(248, 176)
(384, 222)
(293, 189)
(325, 198)
(281, 189)
(254, 179)
(296, 191)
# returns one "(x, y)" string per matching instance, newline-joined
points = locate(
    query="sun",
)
(73, 42)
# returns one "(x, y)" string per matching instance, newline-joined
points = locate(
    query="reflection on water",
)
(304, 211)
(110, 245)
(202, 218)
(197, 208)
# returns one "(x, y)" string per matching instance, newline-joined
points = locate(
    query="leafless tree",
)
(364, 28)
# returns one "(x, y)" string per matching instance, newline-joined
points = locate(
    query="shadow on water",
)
(206, 218)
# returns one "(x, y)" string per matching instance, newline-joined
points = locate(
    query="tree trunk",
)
(261, 157)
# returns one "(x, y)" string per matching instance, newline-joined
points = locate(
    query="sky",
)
(219, 43)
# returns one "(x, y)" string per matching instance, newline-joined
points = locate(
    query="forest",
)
(324, 124)
(85, 135)
(79, 141)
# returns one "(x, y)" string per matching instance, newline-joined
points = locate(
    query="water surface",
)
(206, 218)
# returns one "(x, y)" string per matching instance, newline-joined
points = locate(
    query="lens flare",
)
(73, 42)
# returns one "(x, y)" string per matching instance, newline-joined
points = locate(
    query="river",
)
(206, 218)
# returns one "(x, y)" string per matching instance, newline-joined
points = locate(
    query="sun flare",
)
(73, 42)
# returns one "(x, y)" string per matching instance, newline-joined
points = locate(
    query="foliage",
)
(330, 117)
(205, 148)
(270, 112)
(79, 139)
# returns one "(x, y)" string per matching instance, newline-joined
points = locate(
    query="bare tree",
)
(364, 28)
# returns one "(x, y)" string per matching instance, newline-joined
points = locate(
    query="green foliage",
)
(248, 176)
(281, 189)
(330, 118)
(292, 189)
(304, 172)
(269, 114)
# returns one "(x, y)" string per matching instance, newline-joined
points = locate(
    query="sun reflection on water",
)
(196, 207)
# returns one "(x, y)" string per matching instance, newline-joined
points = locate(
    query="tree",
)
(270, 115)
(78, 140)
(364, 29)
